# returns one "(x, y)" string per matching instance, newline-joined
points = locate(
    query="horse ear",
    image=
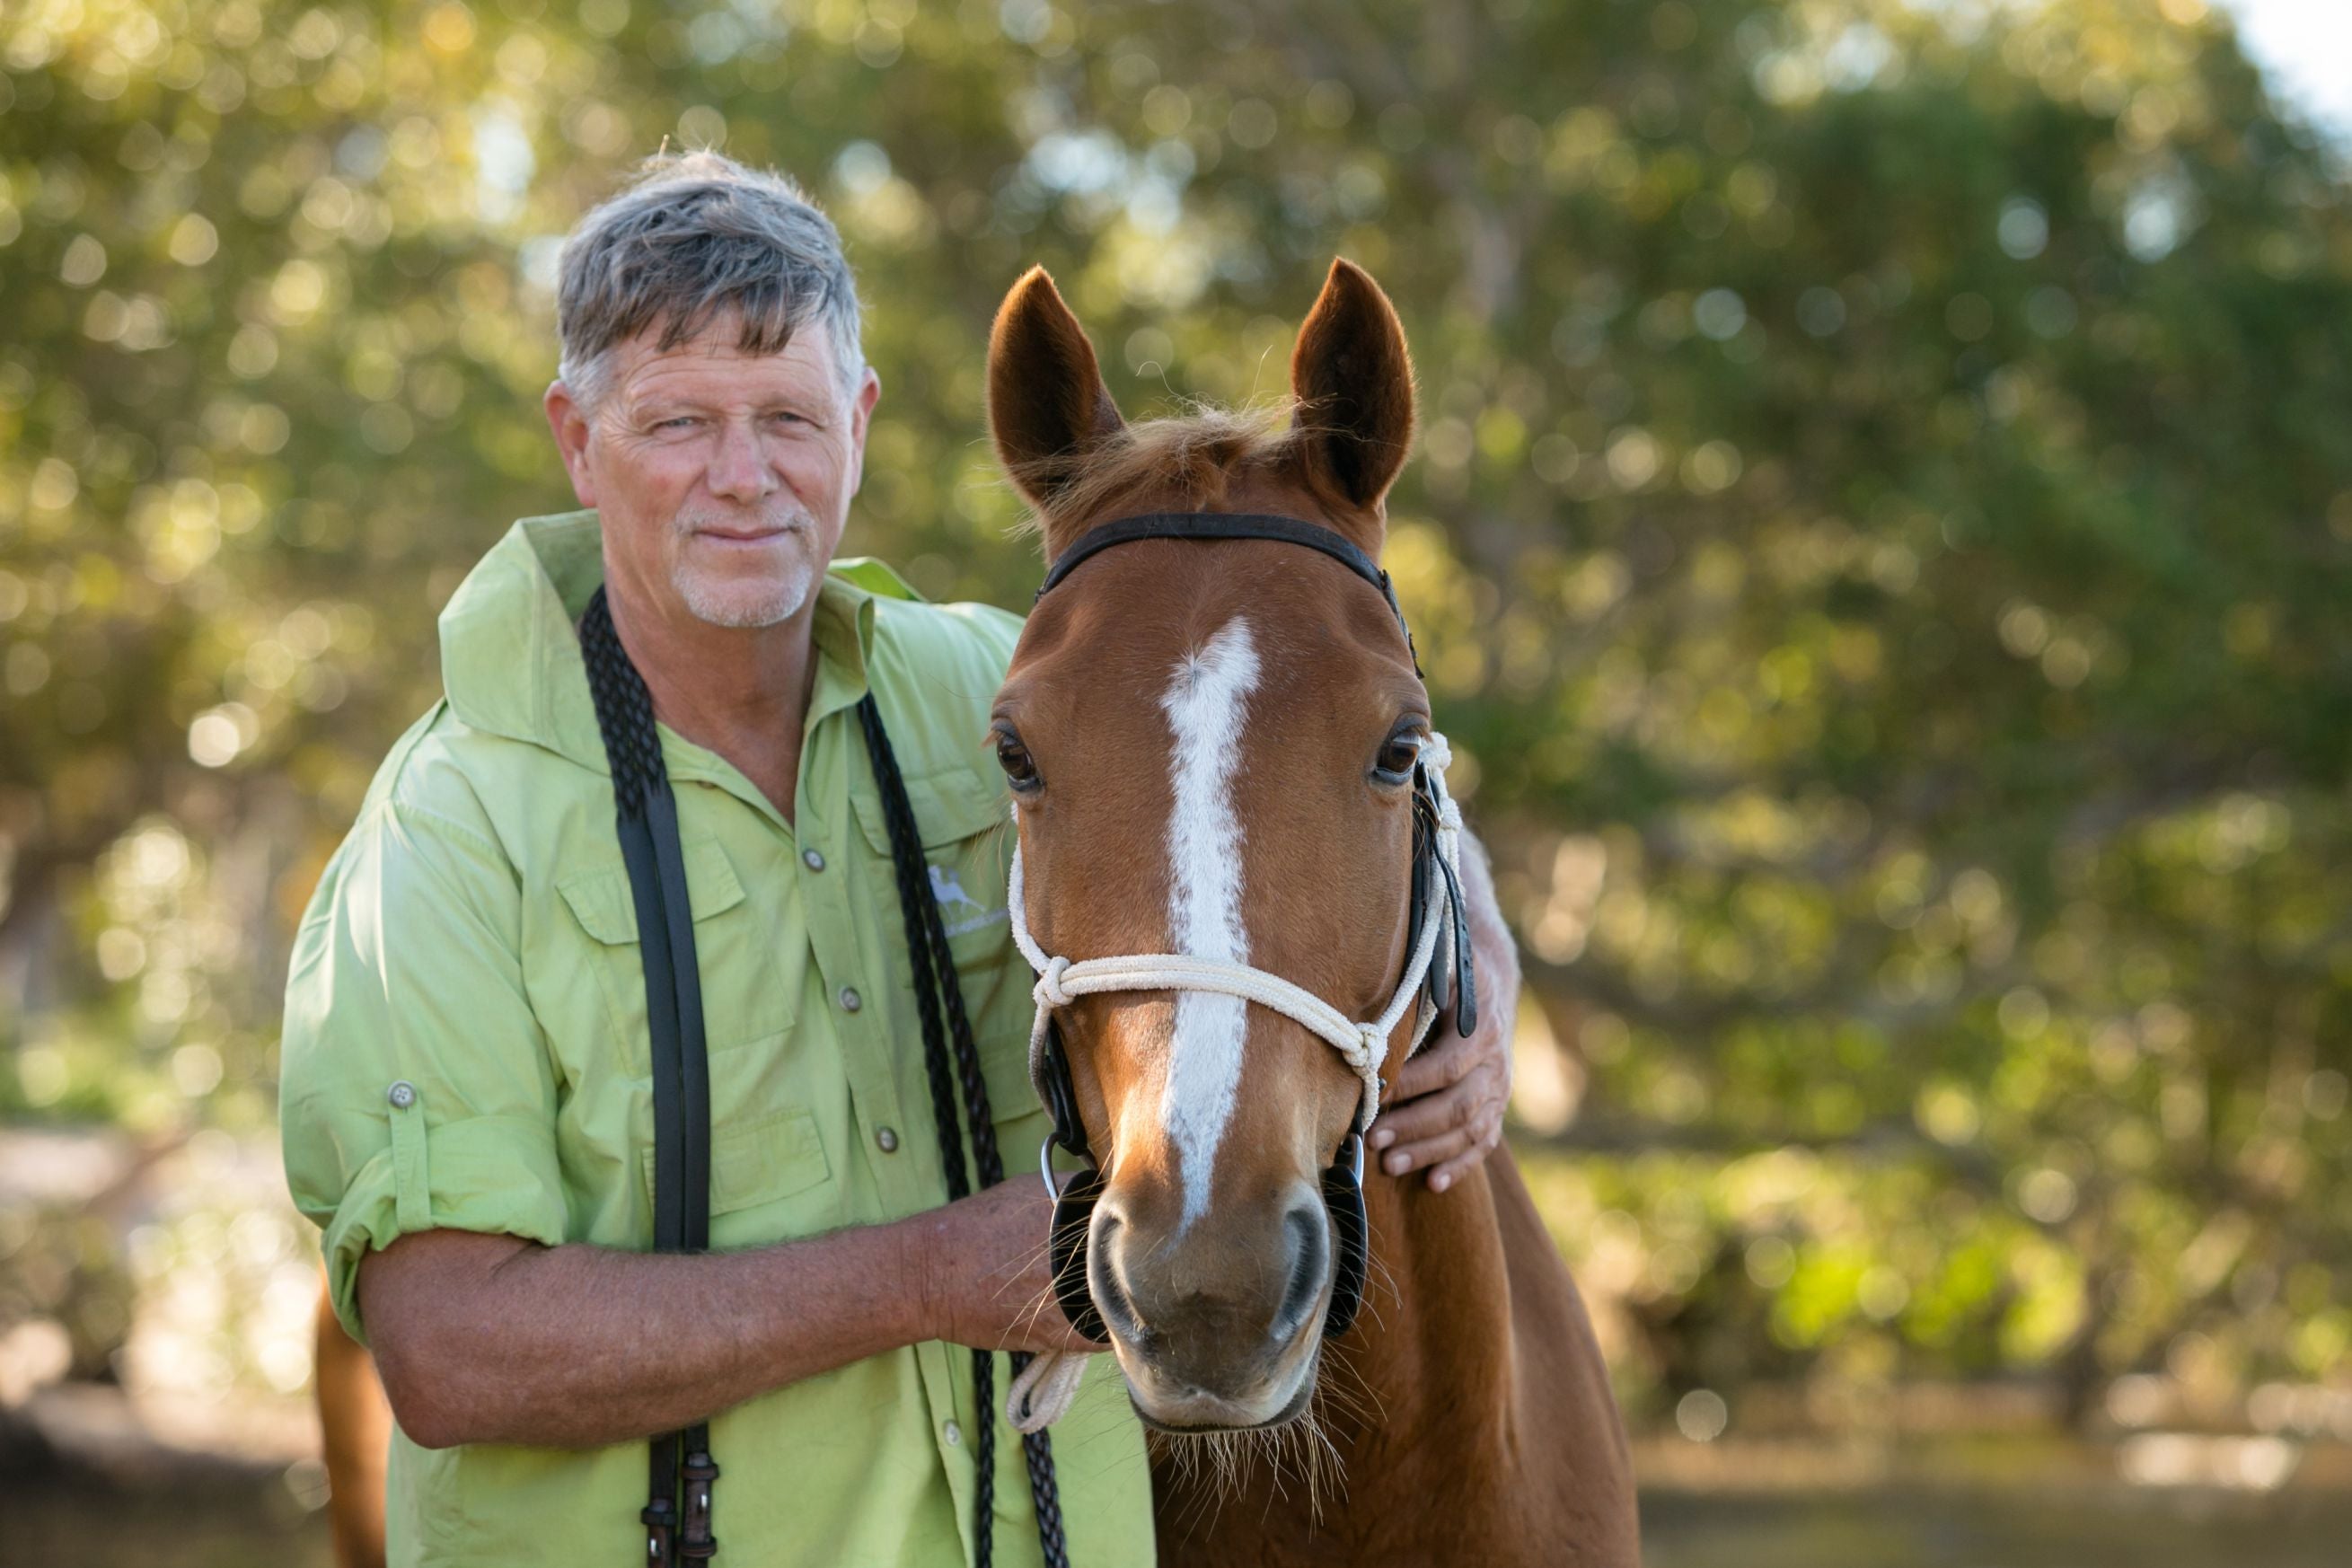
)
(1046, 401)
(1353, 378)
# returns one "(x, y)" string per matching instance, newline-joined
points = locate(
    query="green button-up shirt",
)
(474, 941)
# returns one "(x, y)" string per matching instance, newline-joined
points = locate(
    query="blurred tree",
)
(1885, 501)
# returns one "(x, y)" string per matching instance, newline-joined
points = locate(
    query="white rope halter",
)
(1363, 1047)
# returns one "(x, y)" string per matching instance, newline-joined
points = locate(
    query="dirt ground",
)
(162, 1509)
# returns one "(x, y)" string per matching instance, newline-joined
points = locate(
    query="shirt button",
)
(850, 1000)
(402, 1094)
(887, 1138)
(812, 859)
(954, 1435)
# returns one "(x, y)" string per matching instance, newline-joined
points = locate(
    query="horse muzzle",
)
(1216, 1326)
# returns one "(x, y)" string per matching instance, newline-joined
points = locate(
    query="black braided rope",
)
(926, 948)
(624, 710)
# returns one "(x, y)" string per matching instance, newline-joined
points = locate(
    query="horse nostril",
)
(1105, 1281)
(1311, 1246)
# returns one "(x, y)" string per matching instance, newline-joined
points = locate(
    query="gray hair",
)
(695, 236)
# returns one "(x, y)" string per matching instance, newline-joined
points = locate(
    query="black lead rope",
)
(937, 992)
(646, 814)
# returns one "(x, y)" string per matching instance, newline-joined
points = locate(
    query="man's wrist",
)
(911, 1276)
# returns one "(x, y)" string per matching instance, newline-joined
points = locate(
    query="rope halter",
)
(1364, 1047)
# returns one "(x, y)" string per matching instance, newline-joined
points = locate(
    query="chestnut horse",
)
(1208, 742)
(1212, 745)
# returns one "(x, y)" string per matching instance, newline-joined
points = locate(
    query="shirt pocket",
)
(967, 837)
(729, 948)
(966, 827)
(763, 1171)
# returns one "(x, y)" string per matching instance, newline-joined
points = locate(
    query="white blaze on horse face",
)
(1207, 709)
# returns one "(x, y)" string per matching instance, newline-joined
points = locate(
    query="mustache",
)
(779, 515)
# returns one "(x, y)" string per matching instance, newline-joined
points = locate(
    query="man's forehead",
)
(714, 358)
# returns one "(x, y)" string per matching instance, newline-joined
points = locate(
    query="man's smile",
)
(734, 536)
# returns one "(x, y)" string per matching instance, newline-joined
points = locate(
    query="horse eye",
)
(1398, 755)
(1020, 768)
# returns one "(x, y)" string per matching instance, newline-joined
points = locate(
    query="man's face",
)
(723, 479)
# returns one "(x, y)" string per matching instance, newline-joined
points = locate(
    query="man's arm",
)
(492, 1338)
(1445, 1108)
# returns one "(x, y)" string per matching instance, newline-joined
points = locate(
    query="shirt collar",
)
(510, 657)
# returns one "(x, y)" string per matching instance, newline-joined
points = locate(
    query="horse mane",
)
(1195, 455)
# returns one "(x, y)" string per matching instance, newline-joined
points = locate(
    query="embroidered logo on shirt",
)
(946, 890)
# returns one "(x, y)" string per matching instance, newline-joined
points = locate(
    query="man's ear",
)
(861, 424)
(1046, 401)
(1353, 378)
(569, 423)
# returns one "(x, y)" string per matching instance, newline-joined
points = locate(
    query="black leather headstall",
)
(1226, 525)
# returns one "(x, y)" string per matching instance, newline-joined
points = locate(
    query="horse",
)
(1212, 745)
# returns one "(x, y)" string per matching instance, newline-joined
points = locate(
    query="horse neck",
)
(1433, 1339)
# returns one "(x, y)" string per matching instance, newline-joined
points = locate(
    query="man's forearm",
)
(488, 1338)
(500, 1341)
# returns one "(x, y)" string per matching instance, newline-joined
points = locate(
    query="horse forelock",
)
(1192, 461)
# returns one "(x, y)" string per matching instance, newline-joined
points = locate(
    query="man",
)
(466, 1095)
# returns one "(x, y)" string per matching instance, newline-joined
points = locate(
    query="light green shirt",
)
(474, 939)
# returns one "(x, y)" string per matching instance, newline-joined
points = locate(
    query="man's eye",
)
(1020, 768)
(1398, 754)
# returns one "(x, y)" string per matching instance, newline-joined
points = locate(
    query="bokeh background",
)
(1880, 539)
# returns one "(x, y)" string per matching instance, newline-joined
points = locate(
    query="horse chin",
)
(1196, 1412)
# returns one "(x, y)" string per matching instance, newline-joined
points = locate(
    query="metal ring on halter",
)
(1045, 1167)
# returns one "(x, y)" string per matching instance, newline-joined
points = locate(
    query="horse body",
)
(1206, 742)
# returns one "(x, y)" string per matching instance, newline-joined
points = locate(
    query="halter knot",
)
(1049, 992)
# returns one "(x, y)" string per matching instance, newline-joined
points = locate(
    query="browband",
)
(1207, 525)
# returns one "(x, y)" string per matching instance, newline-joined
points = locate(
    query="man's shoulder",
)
(444, 774)
(918, 636)
(952, 655)
(934, 670)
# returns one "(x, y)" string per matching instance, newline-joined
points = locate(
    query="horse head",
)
(1213, 749)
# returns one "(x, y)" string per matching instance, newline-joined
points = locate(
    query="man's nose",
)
(739, 469)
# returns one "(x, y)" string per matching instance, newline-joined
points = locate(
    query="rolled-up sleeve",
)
(416, 1088)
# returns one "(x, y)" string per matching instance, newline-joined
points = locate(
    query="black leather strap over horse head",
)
(1451, 977)
(1219, 525)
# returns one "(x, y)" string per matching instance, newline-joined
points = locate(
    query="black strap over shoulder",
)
(1213, 525)
(645, 816)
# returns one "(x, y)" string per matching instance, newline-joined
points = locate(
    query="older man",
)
(468, 1105)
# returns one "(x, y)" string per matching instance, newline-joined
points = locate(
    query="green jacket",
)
(474, 939)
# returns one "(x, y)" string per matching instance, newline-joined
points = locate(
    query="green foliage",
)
(1877, 540)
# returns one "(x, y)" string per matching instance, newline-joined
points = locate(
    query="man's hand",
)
(980, 1275)
(1445, 1108)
